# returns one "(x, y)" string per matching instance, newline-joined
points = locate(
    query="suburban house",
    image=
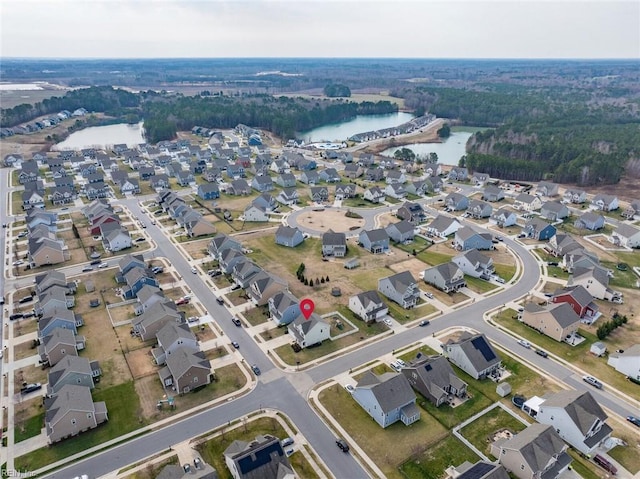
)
(580, 300)
(286, 180)
(159, 182)
(574, 196)
(262, 458)
(52, 299)
(374, 194)
(55, 346)
(147, 325)
(353, 170)
(479, 470)
(632, 210)
(58, 319)
(456, 202)
(475, 264)
(596, 280)
(288, 236)
(527, 202)
(44, 251)
(626, 235)
(504, 217)
(467, 238)
(135, 279)
(627, 362)
(458, 174)
(395, 177)
(411, 212)
(590, 221)
(479, 209)
(39, 217)
(208, 191)
(334, 244)
(538, 229)
(186, 370)
(395, 190)
(402, 232)
(605, 202)
(262, 183)
(400, 288)
(44, 281)
(562, 244)
(319, 194)
(72, 411)
(171, 337)
(310, 177)
(309, 332)
(443, 226)
(374, 174)
(263, 286)
(375, 241)
(32, 198)
(387, 398)
(546, 188)
(256, 213)
(70, 369)
(434, 378)
(577, 418)
(368, 306)
(244, 271)
(538, 452)
(288, 196)
(283, 307)
(345, 191)
(220, 243)
(420, 187)
(239, 187)
(473, 354)
(479, 179)
(492, 194)
(229, 259)
(329, 175)
(147, 297)
(557, 320)
(447, 277)
(554, 211)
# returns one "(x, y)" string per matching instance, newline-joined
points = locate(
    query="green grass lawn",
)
(586, 469)
(122, 404)
(627, 455)
(452, 416)
(621, 279)
(505, 271)
(30, 428)
(388, 447)
(358, 203)
(480, 432)
(212, 450)
(431, 463)
(478, 285)
(432, 258)
(402, 315)
(256, 316)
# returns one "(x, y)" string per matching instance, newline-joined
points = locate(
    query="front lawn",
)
(627, 455)
(478, 285)
(31, 427)
(431, 463)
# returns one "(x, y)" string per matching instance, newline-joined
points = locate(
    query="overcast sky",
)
(320, 28)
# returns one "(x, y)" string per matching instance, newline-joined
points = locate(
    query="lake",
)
(341, 131)
(103, 136)
(449, 152)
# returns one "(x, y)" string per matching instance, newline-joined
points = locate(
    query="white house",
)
(626, 235)
(368, 306)
(627, 362)
(309, 332)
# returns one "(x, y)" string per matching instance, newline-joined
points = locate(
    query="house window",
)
(73, 421)
(522, 467)
(79, 380)
(195, 379)
(88, 415)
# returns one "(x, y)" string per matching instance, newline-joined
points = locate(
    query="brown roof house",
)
(538, 452)
(72, 411)
(434, 378)
(186, 369)
(262, 458)
(557, 320)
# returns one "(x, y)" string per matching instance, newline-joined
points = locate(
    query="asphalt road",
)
(288, 392)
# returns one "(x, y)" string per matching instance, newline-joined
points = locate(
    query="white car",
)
(388, 322)
(194, 270)
(103, 265)
(523, 343)
(18, 263)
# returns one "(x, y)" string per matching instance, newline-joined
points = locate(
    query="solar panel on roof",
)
(259, 458)
(477, 471)
(481, 345)
(428, 367)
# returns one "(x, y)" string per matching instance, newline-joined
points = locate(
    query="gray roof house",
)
(319, 193)
(479, 470)
(244, 271)
(447, 277)
(170, 337)
(334, 244)
(605, 202)
(492, 193)
(368, 306)
(479, 209)
(401, 232)
(154, 318)
(288, 236)
(467, 238)
(229, 259)
(375, 241)
(412, 212)
(475, 264)
(186, 370)
(434, 378)
(396, 190)
(556, 320)
(72, 411)
(456, 202)
(538, 229)
(374, 194)
(262, 183)
(575, 196)
(220, 243)
(264, 285)
(554, 210)
(443, 226)
(590, 221)
(546, 188)
(577, 418)
(283, 307)
(58, 344)
(504, 217)
(262, 458)
(288, 196)
(473, 354)
(286, 180)
(626, 235)
(309, 332)
(343, 191)
(70, 370)
(57, 319)
(400, 288)
(387, 398)
(538, 452)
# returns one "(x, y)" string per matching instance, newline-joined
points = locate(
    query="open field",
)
(432, 462)
(481, 432)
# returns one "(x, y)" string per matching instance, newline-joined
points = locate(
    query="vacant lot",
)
(482, 432)
(331, 218)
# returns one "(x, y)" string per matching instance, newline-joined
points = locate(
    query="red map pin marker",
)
(306, 307)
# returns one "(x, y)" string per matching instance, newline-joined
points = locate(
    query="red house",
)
(580, 300)
(96, 223)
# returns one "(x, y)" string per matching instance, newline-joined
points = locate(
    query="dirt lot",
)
(196, 249)
(330, 218)
(141, 363)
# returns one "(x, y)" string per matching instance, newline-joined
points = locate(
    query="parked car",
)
(193, 319)
(183, 301)
(634, 420)
(187, 468)
(219, 300)
(605, 464)
(140, 240)
(22, 234)
(424, 322)
(593, 381)
(256, 370)
(214, 272)
(236, 321)
(395, 366)
(542, 353)
(286, 442)
(388, 322)
(342, 445)
(95, 262)
(87, 268)
(524, 344)
(194, 270)
(29, 388)
(198, 463)
(235, 344)
(350, 388)
(428, 294)
(157, 269)
(26, 299)
(18, 263)
(103, 265)
(15, 316)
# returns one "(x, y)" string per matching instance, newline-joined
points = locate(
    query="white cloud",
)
(320, 28)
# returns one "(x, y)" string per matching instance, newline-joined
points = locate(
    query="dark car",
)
(424, 322)
(26, 299)
(236, 321)
(219, 300)
(342, 445)
(256, 370)
(96, 261)
(29, 388)
(542, 353)
(16, 316)
(634, 420)
(605, 464)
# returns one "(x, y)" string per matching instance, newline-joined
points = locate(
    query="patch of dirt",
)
(330, 218)
(141, 363)
(413, 265)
